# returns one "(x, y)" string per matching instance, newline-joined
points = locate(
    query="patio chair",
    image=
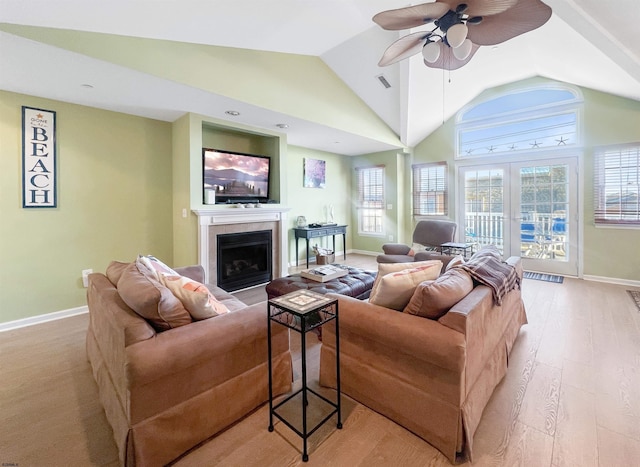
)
(529, 245)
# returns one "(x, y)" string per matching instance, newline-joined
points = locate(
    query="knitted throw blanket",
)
(492, 272)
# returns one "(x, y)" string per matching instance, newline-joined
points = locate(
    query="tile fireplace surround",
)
(213, 221)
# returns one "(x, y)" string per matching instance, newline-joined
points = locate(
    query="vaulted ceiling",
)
(588, 43)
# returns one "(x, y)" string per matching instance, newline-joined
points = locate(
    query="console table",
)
(324, 231)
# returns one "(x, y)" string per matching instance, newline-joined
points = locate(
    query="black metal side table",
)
(463, 247)
(303, 311)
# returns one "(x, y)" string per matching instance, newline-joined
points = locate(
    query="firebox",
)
(244, 259)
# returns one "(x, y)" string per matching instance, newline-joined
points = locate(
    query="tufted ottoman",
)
(356, 284)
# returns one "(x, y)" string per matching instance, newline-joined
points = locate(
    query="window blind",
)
(617, 178)
(370, 199)
(430, 189)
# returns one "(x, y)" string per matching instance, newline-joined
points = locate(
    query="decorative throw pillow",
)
(195, 297)
(433, 299)
(457, 260)
(396, 288)
(157, 267)
(151, 300)
(386, 268)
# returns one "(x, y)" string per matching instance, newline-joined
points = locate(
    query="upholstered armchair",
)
(427, 238)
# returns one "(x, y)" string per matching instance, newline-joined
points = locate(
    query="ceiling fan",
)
(460, 28)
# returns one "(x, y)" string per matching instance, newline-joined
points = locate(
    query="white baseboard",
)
(32, 320)
(612, 280)
(364, 252)
(339, 256)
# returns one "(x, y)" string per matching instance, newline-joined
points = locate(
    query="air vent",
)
(384, 81)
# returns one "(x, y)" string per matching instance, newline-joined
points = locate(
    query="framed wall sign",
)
(39, 187)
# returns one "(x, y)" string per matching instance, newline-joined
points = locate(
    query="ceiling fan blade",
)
(410, 17)
(525, 16)
(403, 48)
(487, 7)
(448, 61)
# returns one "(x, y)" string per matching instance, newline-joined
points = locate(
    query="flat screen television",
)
(233, 177)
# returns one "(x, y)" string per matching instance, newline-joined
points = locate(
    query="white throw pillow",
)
(155, 266)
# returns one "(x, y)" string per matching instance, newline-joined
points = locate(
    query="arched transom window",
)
(538, 119)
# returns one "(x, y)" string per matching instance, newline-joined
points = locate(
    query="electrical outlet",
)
(390, 238)
(85, 277)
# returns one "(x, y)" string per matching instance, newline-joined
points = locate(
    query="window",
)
(616, 185)
(430, 189)
(531, 120)
(370, 200)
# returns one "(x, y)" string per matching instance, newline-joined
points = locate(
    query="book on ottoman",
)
(324, 273)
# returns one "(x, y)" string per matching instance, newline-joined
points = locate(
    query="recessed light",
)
(282, 125)
(233, 113)
(86, 86)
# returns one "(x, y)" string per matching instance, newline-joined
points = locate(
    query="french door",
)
(527, 209)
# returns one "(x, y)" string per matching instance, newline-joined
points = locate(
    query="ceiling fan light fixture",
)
(459, 28)
(431, 51)
(457, 34)
(462, 52)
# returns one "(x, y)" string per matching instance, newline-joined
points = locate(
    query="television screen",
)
(234, 176)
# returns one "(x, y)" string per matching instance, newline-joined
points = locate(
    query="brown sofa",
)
(165, 392)
(433, 377)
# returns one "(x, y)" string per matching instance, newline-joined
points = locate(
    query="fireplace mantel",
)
(217, 217)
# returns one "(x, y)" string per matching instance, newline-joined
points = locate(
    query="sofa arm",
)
(516, 262)
(181, 363)
(388, 333)
(395, 249)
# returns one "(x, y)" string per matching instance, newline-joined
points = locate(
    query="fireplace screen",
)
(244, 259)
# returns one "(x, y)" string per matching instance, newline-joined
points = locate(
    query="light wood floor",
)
(571, 397)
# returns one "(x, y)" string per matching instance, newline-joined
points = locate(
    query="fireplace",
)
(224, 219)
(244, 259)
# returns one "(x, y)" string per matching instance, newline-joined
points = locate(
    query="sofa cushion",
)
(432, 299)
(196, 298)
(114, 271)
(394, 289)
(150, 299)
(457, 260)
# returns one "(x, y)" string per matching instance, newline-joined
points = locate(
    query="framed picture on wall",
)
(314, 173)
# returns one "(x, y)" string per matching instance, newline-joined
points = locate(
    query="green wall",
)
(608, 252)
(185, 225)
(114, 193)
(312, 202)
(395, 182)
